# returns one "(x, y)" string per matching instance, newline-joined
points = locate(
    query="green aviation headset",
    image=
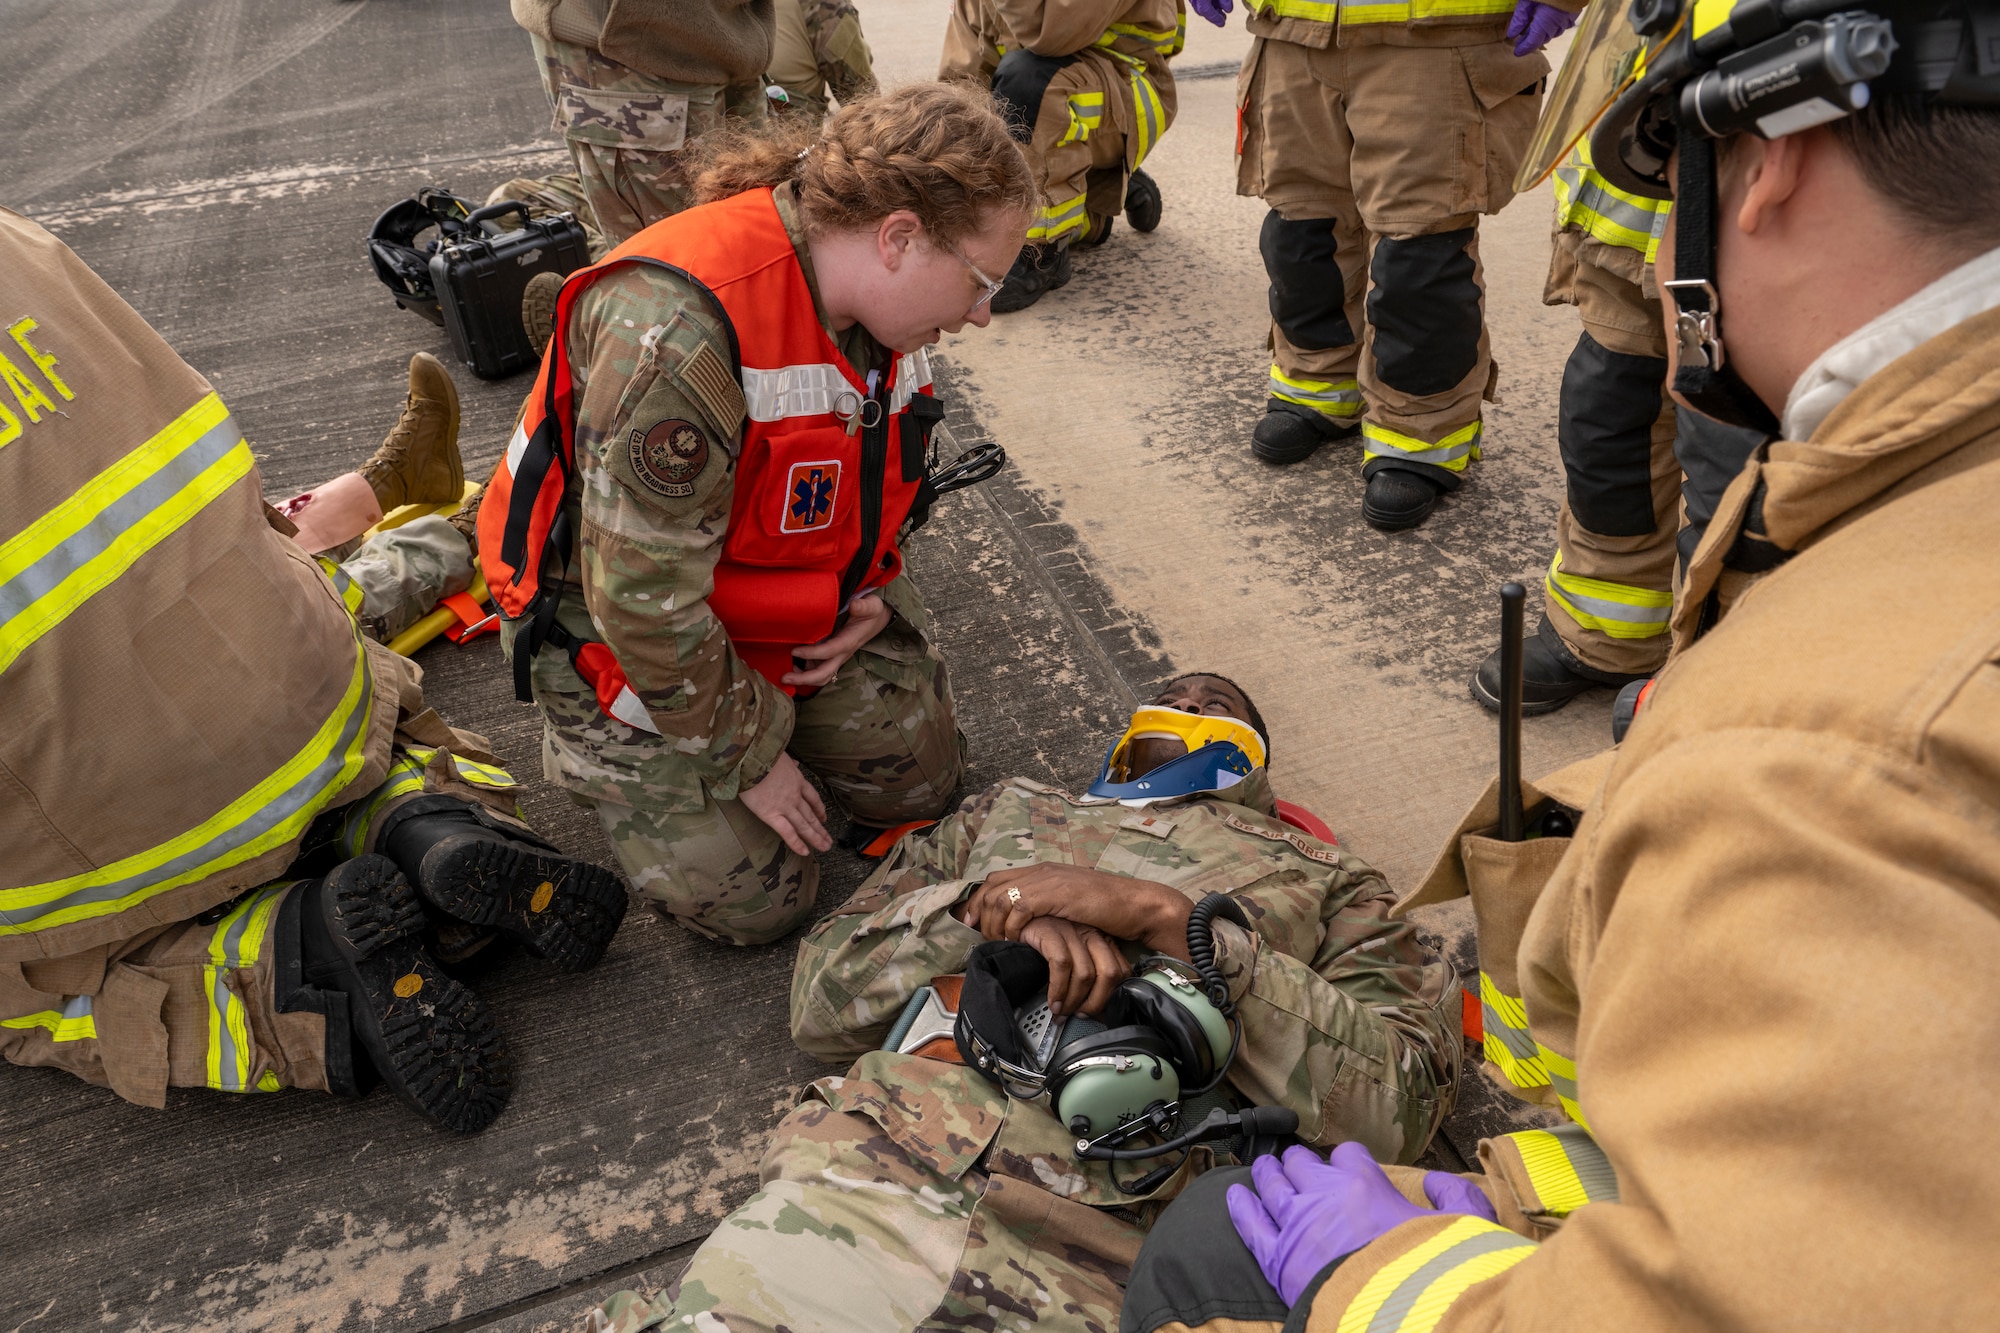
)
(1168, 1034)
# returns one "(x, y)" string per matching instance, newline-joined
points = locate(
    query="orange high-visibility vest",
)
(827, 470)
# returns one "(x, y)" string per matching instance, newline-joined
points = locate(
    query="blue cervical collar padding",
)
(1213, 767)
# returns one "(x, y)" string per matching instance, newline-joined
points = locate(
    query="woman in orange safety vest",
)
(694, 536)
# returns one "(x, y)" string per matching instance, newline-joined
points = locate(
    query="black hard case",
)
(479, 281)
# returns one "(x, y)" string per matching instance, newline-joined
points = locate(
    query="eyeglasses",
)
(991, 287)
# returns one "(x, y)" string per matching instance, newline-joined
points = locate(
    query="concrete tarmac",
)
(219, 163)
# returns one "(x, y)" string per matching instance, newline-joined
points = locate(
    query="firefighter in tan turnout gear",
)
(1378, 133)
(1086, 86)
(231, 816)
(1641, 475)
(1757, 980)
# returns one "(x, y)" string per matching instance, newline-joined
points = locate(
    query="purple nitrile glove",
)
(1535, 25)
(1215, 11)
(1306, 1213)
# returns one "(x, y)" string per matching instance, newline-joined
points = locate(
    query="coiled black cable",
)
(1201, 946)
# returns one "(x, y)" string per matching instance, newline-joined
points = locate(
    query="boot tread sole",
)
(434, 1043)
(493, 883)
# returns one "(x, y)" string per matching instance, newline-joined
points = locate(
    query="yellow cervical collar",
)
(1193, 730)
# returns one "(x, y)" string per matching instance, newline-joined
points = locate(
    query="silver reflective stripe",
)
(1587, 195)
(798, 391)
(114, 520)
(309, 788)
(1376, 445)
(913, 372)
(1605, 609)
(1593, 1169)
(1389, 1317)
(228, 1062)
(1516, 1040)
(817, 390)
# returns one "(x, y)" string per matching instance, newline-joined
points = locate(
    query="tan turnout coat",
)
(1770, 951)
(160, 756)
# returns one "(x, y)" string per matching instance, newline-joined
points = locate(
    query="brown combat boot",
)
(466, 520)
(538, 309)
(418, 463)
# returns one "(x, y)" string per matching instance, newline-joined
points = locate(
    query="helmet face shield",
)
(1605, 58)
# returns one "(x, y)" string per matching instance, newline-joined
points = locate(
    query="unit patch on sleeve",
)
(669, 457)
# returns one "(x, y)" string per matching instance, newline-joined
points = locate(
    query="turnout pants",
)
(1377, 161)
(882, 737)
(626, 132)
(1610, 585)
(1088, 119)
(217, 1001)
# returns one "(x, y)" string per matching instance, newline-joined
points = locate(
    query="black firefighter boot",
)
(472, 866)
(1551, 675)
(1290, 433)
(1142, 202)
(350, 948)
(1037, 271)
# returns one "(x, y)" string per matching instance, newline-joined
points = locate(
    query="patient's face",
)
(1196, 694)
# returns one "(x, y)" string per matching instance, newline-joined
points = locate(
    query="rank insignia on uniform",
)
(670, 457)
(809, 496)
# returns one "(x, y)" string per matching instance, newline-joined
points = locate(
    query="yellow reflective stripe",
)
(404, 778)
(1509, 1046)
(1058, 220)
(1566, 1167)
(268, 1082)
(73, 1022)
(351, 593)
(1451, 453)
(237, 942)
(1411, 1292)
(1149, 115)
(483, 775)
(1408, 11)
(1086, 113)
(1613, 216)
(1562, 1077)
(1313, 11)
(270, 814)
(1163, 40)
(1620, 610)
(73, 552)
(1336, 398)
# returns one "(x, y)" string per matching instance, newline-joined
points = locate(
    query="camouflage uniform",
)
(913, 1194)
(402, 574)
(820, 54)
(647, 349)
(625, 131)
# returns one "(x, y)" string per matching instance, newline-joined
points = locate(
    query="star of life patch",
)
(810, 491)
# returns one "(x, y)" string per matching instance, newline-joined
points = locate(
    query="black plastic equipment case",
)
(479, 281)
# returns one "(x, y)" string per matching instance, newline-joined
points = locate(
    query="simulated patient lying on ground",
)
(917, 1191)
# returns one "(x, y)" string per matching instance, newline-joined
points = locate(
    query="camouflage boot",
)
(418, 463)
(538, 309)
